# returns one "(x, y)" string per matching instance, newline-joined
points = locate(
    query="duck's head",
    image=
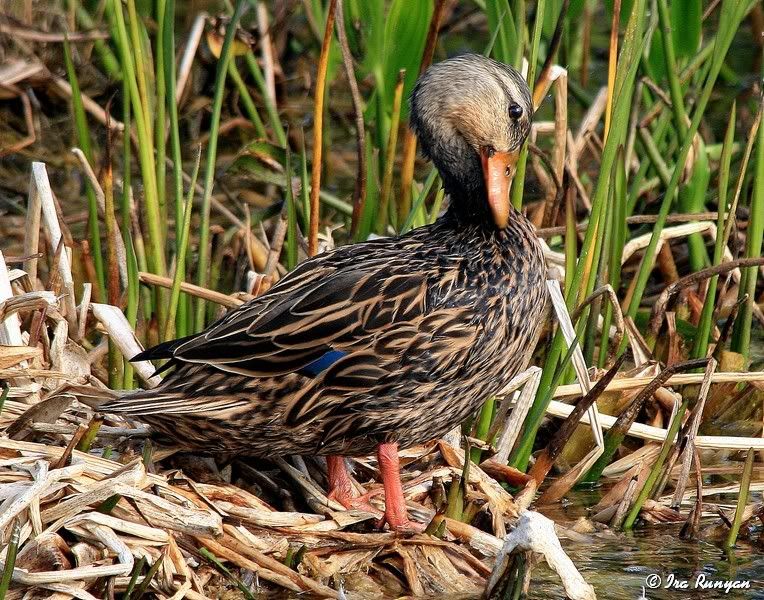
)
(472, 115)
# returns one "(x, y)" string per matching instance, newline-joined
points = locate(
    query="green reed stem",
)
(617, 241)
(416, 208)
(246, 99)
(133, 285)
(392, 140)
(184, 233)
(168, 44)
(291, 235)
(209, 174)
(116, 359)
(485, 417)
(10, 558)
(742, 499)
(270, 103)
(209, 556)
(675, 86)
(108, 58)
(146, 581)
(4, 394)
(160, 135)
(136, 572)
(305, 187)
(518, 14)
(83, 140)
(741, 334)
(518, 183)
(156, 257)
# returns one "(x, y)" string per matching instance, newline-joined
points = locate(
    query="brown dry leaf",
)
(10, 356)
(325, 565)
(47, 552)
(47, 411)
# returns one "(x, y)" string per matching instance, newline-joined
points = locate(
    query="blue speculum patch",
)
(320, 365)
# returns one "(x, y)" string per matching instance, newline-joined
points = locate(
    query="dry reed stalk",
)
(584, 382)
(546, 459)
(409, 139)
(502, 504)
(692, 432)
(10, 325)
(318, 131)
(632, 383)
(189, 52)
(588, 126)
(14, 71)
(117, 241)
(359, 191)
(190, 288)
(120, 332)
(536, 533)
(39, 187)
(529, 380)
(658, 434)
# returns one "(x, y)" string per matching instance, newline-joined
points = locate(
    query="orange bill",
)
(498, 170)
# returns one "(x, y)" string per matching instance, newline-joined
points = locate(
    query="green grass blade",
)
(732, 14)
(249, 105)
(501, 23)
(742, 499)
(705, 323)
(687, 17)
(291, 235)
(10, 559)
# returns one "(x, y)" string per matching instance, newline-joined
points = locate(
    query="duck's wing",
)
(370, 328)
(328, 306)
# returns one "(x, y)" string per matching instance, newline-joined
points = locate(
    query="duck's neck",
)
(470, 209)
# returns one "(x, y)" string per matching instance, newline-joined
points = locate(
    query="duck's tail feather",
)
(163, 350)
(134, 402)
(143, 403)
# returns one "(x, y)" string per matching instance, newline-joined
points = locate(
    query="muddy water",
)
(621, 567)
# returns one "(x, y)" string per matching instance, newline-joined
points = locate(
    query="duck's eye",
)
(515, 111)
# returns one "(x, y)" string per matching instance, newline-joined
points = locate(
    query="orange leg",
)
(395, 504)
(341, 486)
